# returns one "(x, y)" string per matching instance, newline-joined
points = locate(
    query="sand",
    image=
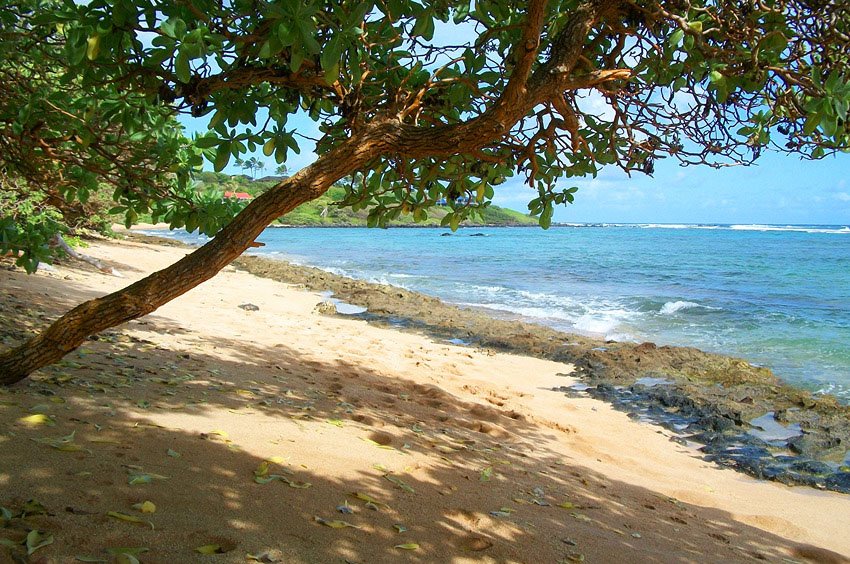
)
(253, 431)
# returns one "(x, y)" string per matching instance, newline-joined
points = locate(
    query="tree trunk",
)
(72, 329)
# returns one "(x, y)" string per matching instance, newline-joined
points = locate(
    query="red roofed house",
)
(238, 195)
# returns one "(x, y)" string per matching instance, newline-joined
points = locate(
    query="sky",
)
(778, 189)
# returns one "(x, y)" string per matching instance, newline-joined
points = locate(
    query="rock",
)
(716, 423)
(248, 307)
(326, 307)
(812, 467)
(812, 445)
(840, 482)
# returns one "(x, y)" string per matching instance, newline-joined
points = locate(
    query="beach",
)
(258, 426)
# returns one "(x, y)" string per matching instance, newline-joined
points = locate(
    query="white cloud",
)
(842, 197)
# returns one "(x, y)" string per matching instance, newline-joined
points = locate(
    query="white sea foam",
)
(844, 230)
(672, 307)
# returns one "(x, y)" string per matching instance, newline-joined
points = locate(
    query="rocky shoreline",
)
(737, 414)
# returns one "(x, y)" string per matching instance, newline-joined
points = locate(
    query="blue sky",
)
(778, 189)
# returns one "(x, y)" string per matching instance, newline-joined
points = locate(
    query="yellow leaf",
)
(129, 518)
(145, 507)
(210, 549)
(407, 546)
(336, 524)
(93, 47)
(37, 419)
(567, 505)
(369, 499)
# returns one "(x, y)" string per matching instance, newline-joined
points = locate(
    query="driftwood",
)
(59, 242)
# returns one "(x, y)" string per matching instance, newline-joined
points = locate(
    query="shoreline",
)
(681, 380)
(210, 400)
(706, 398)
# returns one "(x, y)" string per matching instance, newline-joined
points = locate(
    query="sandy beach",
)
(277, 434)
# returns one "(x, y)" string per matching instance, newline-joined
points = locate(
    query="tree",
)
(253, 165)
(413, 118)
(69, 149)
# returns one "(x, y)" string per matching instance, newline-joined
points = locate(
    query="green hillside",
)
(322, 213)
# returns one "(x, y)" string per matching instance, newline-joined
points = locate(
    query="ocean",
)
(777, 296)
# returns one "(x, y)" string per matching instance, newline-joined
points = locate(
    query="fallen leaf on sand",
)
(399, 482)
(129, 518)
(210, 549)
(36, 420)
(33, 507)
(335, 524)
(145, 507)
(37, 539)
(65, 443)
(264, 557)
(369, 499)
(581, 517)
(407, 546)
(172, 453)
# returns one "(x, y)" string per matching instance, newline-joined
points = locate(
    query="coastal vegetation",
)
(325, 211)
(544, 90)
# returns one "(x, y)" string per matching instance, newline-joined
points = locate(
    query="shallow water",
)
(776, 295)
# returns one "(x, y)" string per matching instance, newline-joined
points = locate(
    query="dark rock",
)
(716, 423)
(248, 307)
(813, 445)
(809, 466)
(840, 482)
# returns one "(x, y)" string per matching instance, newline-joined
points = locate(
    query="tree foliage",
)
(420, 102)
(69, 148)
(702, 82)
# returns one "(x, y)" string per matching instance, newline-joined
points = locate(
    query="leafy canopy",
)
(470, 93)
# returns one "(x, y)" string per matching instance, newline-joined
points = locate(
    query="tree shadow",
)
(468, 481)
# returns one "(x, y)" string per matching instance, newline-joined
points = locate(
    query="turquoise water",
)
(777, 296)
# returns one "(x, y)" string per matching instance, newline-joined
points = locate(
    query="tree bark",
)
(72, 329)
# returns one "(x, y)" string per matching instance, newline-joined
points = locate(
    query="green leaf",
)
(210, 549)
(129, 518)
(676, 38)
(334, 524)
(207, 142)
(424, 26)
(181, 67)
(407, 546)
(37, 539)
(222, 156)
